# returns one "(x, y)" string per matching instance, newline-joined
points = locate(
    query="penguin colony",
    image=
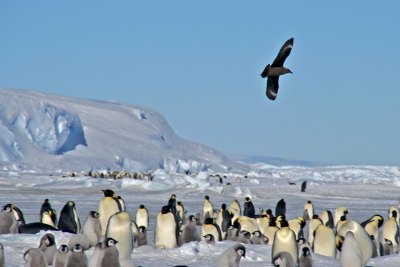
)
(113, 233)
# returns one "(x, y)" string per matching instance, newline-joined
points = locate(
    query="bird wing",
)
(272, 87)
(283, 53)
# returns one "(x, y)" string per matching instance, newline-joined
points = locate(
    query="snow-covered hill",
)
(44, 130)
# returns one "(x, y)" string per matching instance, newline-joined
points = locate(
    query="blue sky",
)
(199, 64)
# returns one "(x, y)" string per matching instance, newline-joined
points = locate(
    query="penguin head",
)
(247, 199)
(71, 204)
(165, 209)
(48, 240)
(269, 211)
(77, 248)
(63, 248)
(306, 252)
(142, 229)
(240, 250)
(173, 196)
(95, 214)
(209, 221)
(108, 193)
(257, 233)
(141, 206)
(209, 237)
(7, 208)
(207, 197)
(223, 206)
(394, 214)
(192, 218)
(284, 223)
(111, 242)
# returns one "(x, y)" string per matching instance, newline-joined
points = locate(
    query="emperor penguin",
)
(342, 221)
(283, 259)
(351, 253)
(308, 211)
(34, 257)
(314, 223)
(142, 216)
(92, 228)
(372, 226)
(297, 225)
(69, 220)
(232, 233)
(209, 227)
(77, 257)
(172, 204)
(224, 220)
(180, 213)
(208, 209)
(19, 216)
(189, 231)
(285, 241)
(8, 223)
(108, 206)
(2, 260)
(326, 218)
(324, 241)
(61, 256)
(166, 232)
(360, 235)
(303, 186)
(248, 208)
(120, 228)
(280, 208)
(305, 259)
(48, 215)
(235, 210)
(106, 254)
(48, 246)
(231, 256)
(390, 231)
(339, 212)
(263, 221)
(391, 209)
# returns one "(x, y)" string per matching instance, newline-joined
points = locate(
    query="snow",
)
(43, 138)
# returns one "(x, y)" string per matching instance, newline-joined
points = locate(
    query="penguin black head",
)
(50, 239)
(141, 206)
(309, 201)
(142, 229)
(173, 196)
(315, 216)
(343, 218)
(394, 214)
(209, 237)
(247, 199)
(257, 233)
(223, 206)
(63, 248)
(241, 250)
(7, 208)
(95, 214)
(284, 223)
(108, 193)
(269, 211)
(207, 197)
(111, 242)
(192, 218)
(165, 209)
(306, 252)
(209, 221)
(77, 248)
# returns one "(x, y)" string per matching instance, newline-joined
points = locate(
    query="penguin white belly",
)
(120, 228)
(107, 207)
(324, 241)
(166, 231)
(285, 241)
(142, 218)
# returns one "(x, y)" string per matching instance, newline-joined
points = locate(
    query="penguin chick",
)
(61, 256)
(231, 257)
(283, 259)
(92, 228)
(244, 237)
(305, 259)
(257, 238)
(1, 255)
(209, 238)
(189, 231)
(34, 257)
(77, 258)
(48, 246)
(142, 236)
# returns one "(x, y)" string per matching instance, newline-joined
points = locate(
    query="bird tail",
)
(264, 74)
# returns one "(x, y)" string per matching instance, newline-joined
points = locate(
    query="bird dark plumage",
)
(273, 71)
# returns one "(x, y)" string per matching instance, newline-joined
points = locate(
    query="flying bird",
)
(273, 71)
